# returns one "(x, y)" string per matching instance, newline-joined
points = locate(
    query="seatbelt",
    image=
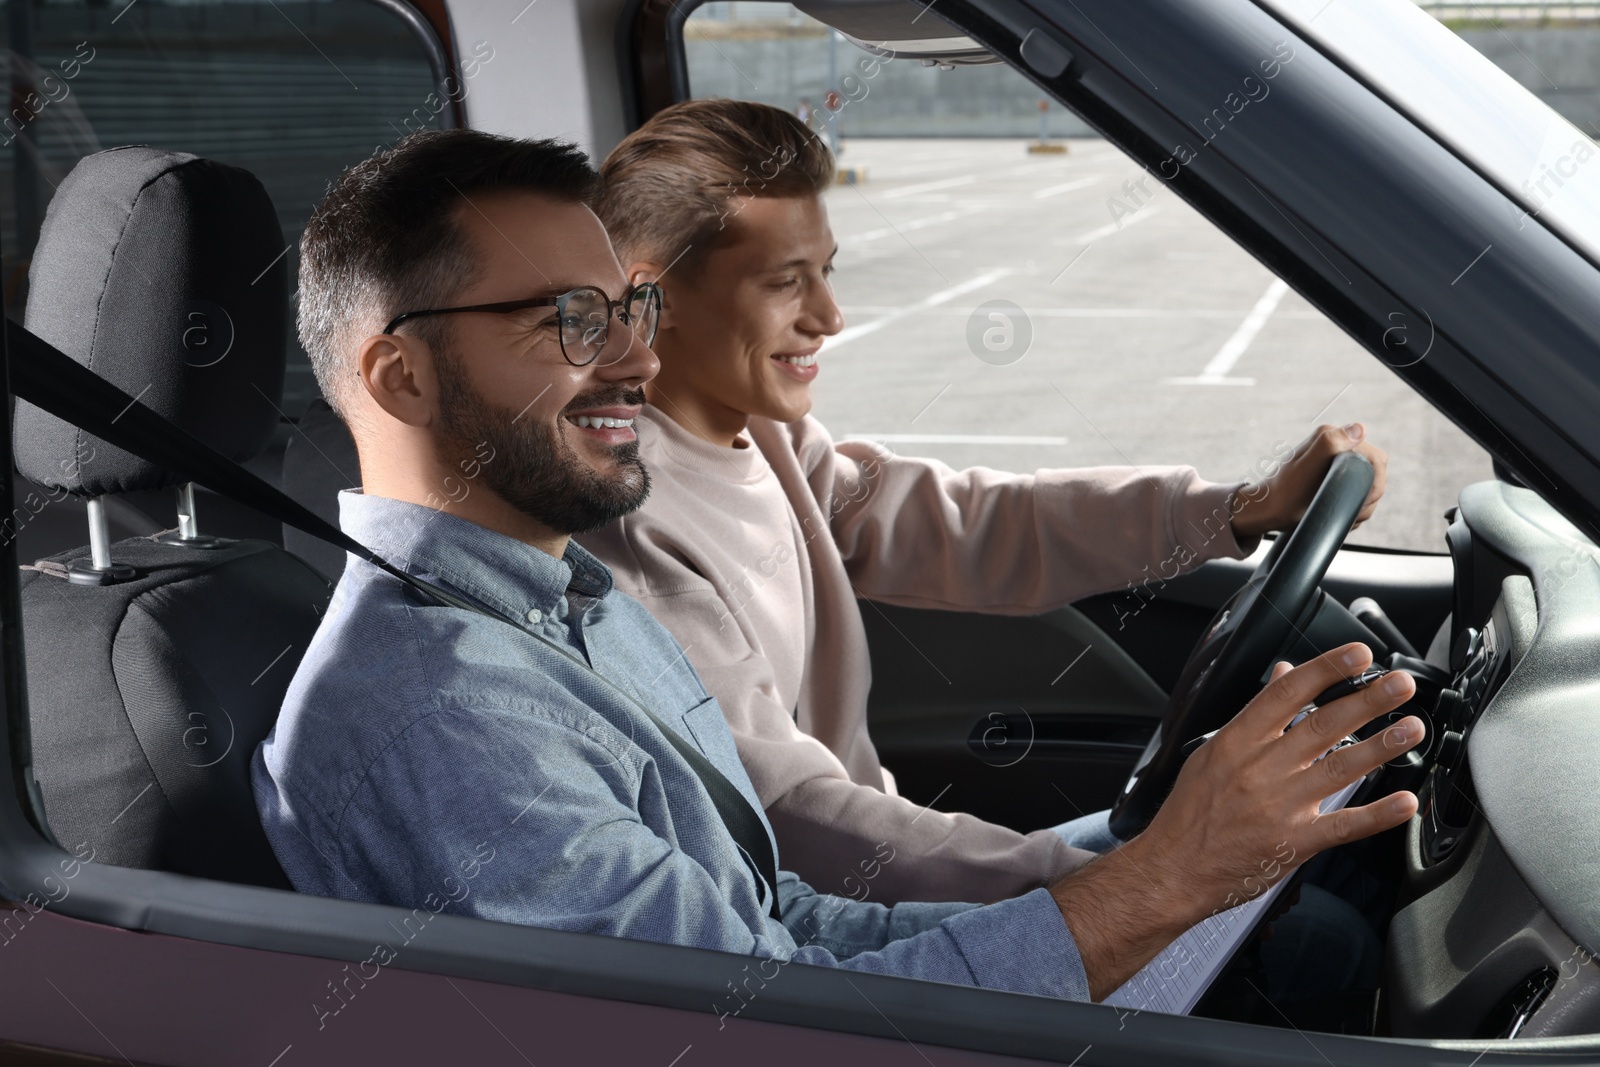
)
(53, 381)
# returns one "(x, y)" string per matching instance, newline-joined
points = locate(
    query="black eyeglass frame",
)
(614, 309)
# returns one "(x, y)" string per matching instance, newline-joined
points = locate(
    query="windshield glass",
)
(1539, 158)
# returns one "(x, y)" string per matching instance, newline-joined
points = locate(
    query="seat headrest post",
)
(99, 535)
(99, 568)
(188, 525)
(188, 534)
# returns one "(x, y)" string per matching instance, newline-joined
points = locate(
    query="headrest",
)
(165, 274)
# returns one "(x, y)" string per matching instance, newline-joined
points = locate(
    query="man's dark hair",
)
(384, 240)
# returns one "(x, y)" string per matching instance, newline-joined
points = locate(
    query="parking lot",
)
(1140, 335)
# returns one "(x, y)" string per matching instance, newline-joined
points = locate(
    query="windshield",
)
(1536, 156)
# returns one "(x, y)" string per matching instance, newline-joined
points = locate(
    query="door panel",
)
(1025, 721)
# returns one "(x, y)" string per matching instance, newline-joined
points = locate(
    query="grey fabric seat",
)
(154, 675)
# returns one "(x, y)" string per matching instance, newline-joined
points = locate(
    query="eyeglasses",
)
(584, 315)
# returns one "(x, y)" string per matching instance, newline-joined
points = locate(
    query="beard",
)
(534, 468)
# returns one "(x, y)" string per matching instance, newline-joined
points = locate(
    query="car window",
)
(291, 90)
(1018, 293)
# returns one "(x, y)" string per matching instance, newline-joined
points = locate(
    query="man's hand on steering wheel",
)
(1257, 793)
(1243, 813)
(1280, 500)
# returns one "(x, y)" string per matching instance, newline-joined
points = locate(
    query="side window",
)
(1018, 293)
(292, 90)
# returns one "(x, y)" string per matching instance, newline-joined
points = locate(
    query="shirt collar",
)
(498, 571)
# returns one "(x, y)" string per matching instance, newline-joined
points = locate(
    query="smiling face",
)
(504, 409)
(565, 450)
(741, 330)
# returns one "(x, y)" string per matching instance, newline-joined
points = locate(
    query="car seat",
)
(157, 664)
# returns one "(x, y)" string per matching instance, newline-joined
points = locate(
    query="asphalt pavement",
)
(1022, 311)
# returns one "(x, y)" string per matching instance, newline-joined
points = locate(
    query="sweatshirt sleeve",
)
(917, 533)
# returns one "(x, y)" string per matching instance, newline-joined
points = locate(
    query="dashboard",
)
(1499, 912)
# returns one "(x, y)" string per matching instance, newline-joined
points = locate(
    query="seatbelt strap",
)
(48, 378)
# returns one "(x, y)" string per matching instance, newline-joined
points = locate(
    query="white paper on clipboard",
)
(1181, 973)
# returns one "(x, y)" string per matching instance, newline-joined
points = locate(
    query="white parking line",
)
(851, 333)
(1131, 313)
(1077, 152)
(914, 169)
(1067, 187)
(928, 187)
(1122, 224)
(952, 439)
(855, 310)
(1216, 371)
(1038, 166)
(914, 224)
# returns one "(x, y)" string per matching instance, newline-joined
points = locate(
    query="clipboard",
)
(1182, 972)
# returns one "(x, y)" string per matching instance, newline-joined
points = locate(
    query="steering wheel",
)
(1255, 627)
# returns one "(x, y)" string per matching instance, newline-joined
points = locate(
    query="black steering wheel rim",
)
(1226, 667)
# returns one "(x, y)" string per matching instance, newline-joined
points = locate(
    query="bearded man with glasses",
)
(525, 744)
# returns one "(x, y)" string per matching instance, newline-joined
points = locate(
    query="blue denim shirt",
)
(431, 757)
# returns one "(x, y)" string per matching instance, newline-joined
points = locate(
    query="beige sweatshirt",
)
(753, 558)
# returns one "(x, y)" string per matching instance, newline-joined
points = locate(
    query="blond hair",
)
(670, 187)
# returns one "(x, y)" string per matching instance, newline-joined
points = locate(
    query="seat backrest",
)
(148, 698)
(164, 274)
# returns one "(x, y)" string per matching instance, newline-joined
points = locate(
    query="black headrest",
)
(164, 273)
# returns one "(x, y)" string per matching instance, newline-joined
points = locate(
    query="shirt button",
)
(535, 616)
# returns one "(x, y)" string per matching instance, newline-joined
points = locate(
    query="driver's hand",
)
(1279, 501)
(1242, 814)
